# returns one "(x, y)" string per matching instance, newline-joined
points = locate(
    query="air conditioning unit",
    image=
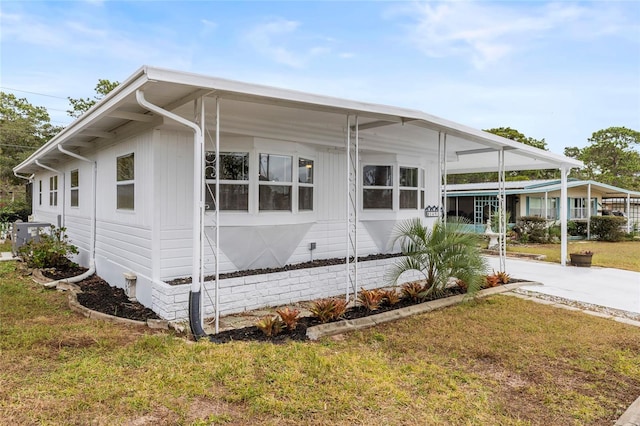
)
(23, 232)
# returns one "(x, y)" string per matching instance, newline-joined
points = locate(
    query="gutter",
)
(195, 299)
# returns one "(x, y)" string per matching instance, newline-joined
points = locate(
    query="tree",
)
(611, 157)
(23, 129)
(439, 253)
(81, 105)
(514, 135)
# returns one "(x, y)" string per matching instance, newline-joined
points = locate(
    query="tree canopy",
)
(514, 135)
(23, 129)
(81, 105)
(611, 157)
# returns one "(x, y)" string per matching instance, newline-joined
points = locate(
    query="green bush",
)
(50, 252)
(577, 229)
(535, 229)
(607, 228)
(11, 212)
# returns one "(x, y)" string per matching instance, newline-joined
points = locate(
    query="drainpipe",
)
(94, 184)
(63, 187)
(195, 300)
(29, 178)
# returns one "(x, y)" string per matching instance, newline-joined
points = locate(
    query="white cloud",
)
(273, 39)
(486, 33)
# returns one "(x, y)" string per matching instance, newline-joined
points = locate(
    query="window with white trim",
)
(53, 191)
(75, 187)
(305, 184)
(125, 185)
(409, 191)
(275, 182)
(40, 192)
(234, 180)
(377, 188)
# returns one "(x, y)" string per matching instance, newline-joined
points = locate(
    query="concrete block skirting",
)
(252, 292)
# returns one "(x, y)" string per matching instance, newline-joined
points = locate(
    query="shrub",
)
(370, 299)
(577, 229)
(270, 325)
(289, 317)
(491, 281)
(462, 285)
(503, 277)
(535, 228)
(412, 290)
(14, 211)
(328, 309)
(607, 228)
(391, 296)
(50, 252)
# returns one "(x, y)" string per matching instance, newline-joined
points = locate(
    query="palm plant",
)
(439, 254)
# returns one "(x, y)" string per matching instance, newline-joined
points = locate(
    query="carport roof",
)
(381, 127)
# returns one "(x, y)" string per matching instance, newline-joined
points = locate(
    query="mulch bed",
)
(99, 296)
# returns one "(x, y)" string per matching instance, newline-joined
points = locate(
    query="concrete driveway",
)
(612, 288)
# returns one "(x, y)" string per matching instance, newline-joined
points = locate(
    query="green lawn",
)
(621, 255)
(500, 361)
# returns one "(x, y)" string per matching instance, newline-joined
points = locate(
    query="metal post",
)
(352, 210)
(217, 204)
(589, 211)
(440, 171)
(564, 171)
(628, 212)
(502, 226)
(444, 183)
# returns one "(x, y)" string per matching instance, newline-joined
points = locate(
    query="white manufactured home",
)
(300, 177)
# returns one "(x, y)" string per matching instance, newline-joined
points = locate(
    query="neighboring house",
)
(541, 198)
(300, 176)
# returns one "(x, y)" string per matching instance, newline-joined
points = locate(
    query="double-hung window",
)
(74, 188)
(234, 180)
(125, 186)
(377, 192)
(53, 191)
(305, 184)
(275, 182)
(409, 190)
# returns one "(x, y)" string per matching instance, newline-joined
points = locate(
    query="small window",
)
(408, 188)
(125, 175)
(53, 191)
(74, 188)
(40, 192)
(275, 182)
(234, 180)
(305, 184)
(377, 192)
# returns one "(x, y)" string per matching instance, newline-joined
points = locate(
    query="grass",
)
(501, 361)
(620, 255)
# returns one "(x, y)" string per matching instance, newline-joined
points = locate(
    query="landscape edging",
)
(318, 331)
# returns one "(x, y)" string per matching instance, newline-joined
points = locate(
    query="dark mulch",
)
(99, 296)
(300, 333)
(292, 267)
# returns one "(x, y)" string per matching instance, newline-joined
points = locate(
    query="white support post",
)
(564, 171)
(440, 189)
(589, 211)
(628, 212)
(502, 216)
(444, 177)
(352, 207)
(217, 203)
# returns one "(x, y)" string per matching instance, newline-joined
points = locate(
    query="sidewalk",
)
(611, 288)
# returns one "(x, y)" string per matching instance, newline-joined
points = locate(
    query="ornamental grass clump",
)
(438, 253)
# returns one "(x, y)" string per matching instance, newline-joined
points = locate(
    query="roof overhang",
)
(250, 106)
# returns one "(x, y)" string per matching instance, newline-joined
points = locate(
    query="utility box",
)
(23, 232)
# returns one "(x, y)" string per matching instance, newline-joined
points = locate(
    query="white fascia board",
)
(96, 112)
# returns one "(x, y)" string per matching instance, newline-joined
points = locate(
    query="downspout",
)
(29, 178)
(195, 300)
(63, 187)
(94, 198)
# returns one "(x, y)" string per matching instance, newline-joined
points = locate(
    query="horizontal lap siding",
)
(125, 245)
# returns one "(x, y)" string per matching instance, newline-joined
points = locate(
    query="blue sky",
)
(553, 70)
